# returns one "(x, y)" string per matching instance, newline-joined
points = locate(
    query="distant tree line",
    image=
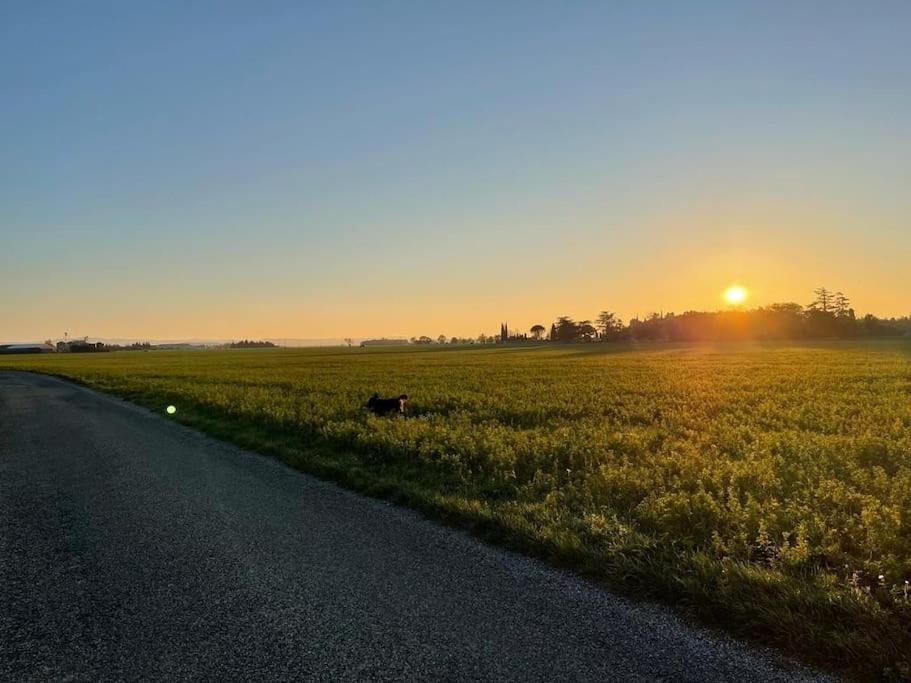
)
(828, 316)
(249, 344)
(443, 339)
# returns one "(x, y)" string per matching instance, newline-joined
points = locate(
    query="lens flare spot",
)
(171, 410)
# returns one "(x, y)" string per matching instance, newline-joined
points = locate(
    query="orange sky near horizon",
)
(779, 253)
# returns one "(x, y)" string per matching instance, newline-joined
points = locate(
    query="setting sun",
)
(735, 295)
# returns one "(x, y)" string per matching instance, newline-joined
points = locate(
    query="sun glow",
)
(735, 295)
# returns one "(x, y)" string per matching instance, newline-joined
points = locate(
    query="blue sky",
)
(303, 170)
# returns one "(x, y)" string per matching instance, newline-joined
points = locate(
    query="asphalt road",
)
(132, 547)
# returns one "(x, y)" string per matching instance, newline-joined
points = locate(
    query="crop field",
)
(764, 488)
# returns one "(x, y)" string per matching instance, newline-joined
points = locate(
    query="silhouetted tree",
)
(841, 305)
(609, 325)
(585, 330)
(823, 302)
(565, 329)
(537, 331)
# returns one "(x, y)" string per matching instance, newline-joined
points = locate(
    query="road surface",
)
(133, 547)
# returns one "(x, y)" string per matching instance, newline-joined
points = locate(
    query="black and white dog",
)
(386, 406)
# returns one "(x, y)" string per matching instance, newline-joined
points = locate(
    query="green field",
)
(765, 488)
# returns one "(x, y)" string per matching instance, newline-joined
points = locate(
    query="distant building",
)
(86, 347)
(26, 348)
(384, 342)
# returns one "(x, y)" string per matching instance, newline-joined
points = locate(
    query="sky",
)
(188, 170)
